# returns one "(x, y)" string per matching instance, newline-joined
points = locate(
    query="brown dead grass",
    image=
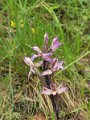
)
(40, 116)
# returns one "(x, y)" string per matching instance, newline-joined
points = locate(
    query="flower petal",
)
(37, 49)
(55, 44)
(30, 72)
(46, 91)
(47, 72)
(34, 56)
(60, 66)
(33, 68)
(57, 65)
(38, 64)
(61, 90)
(54, 93)
(28, 61)
(54, 61)
(53, 86)
(46, 56)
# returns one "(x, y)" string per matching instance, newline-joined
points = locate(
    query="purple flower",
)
(45, 56)
(55, 44)
(53, 89)
(54, 66)
(35, 48)
(28, 61)
(33, 67)
(54, 63)
(34, 56)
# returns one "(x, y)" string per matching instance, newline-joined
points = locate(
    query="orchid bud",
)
(55, 44)
(46, 38)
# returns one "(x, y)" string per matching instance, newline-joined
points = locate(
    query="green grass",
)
(70, 21)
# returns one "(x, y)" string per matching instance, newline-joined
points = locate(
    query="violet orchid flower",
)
(33, 67)
(34, 56)
(53, 89)
(55, 44)
(54, 66)
(45, 56)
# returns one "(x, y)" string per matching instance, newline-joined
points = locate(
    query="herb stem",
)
(52, 98)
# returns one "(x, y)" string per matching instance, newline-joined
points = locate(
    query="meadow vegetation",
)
(23, 24)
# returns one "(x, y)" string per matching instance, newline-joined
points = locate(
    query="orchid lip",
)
(54, 90)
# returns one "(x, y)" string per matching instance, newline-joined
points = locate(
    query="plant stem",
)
(48, 82)
(55, 107)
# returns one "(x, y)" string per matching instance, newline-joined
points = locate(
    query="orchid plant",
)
(46, 56)
(49, 64)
